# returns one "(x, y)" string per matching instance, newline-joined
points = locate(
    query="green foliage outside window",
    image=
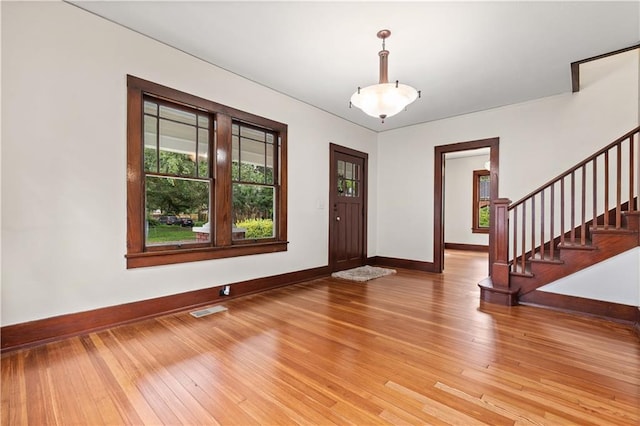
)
(483, 219)
(257, 228)
(252, 201)
(174, 195)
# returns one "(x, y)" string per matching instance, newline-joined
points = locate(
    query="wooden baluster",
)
(619, 186)
(637, 172)
(573, 207)
(524, 238)
(551, 223)
(542, 225)
(606, 189)
(562, 211)
(515, 238)
(631, 175)
(595, 191)
(583, 208)
(533, 228)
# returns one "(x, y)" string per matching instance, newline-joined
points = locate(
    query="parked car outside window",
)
(169, 220)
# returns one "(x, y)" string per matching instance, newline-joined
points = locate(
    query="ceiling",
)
(463, 56)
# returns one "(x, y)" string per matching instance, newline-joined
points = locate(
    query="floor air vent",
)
(208, 311)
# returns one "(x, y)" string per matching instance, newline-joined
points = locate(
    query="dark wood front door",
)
(347, 209)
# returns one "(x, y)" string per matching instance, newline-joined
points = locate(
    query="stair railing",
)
(560, 212)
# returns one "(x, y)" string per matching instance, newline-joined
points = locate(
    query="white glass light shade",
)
(384, 100)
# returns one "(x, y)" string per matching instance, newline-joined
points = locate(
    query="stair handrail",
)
(574, 168)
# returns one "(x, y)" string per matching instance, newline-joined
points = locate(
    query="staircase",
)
(584, 216)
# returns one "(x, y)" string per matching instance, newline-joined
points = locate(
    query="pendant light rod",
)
(384, 57)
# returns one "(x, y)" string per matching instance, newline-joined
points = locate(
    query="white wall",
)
(538, 140)
(458, 200)
(64, 164)
(613, 280)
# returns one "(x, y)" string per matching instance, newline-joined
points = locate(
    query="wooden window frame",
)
(476, 228)
(221, 244)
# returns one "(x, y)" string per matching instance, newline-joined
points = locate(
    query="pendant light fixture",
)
(384, 99)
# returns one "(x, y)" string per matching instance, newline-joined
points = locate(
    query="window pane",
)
(203, 121)
(203, 153)
(484, 186)
(251, 133)
(253, 211)
(354, 188)
(269, 178)
(252, 158)
(150, 144)
(235, 158)
(483, 217)
(169, 203)
(177, 148)
(150, 108)
(348, 170)
(177, 115)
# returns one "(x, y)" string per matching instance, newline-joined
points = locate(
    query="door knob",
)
(338, 218)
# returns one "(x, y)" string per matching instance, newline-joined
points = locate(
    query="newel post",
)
(500, 247)
(495, 289)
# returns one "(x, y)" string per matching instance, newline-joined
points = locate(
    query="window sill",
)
(168, 257)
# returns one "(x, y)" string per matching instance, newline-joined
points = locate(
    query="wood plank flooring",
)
(410, 348)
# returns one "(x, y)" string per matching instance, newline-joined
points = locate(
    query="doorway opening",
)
(438, 194)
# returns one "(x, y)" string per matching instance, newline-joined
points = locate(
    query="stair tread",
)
(611, 229)
(516, 269)
(546, 259)
(577, 245)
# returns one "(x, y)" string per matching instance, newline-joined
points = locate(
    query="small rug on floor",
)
(363, 273)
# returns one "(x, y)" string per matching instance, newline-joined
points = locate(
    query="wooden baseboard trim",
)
(572, 304)
(468, 247)
(636, 326)
(33, 333)
(393, 262)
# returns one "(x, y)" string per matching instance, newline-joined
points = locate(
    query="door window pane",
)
(348, 177)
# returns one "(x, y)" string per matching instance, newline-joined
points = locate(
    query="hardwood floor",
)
(410, 348)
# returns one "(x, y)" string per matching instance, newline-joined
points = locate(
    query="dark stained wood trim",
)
(153, 258)
(573, 304)
(438, 196)
(135, 197)
(221, 221)
(467, 247)
(393, 262)
(636, 326)
(23, 335)
(221, 245)
(575, 66)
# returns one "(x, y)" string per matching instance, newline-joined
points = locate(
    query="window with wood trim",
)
(481, 201)
(204, 180)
